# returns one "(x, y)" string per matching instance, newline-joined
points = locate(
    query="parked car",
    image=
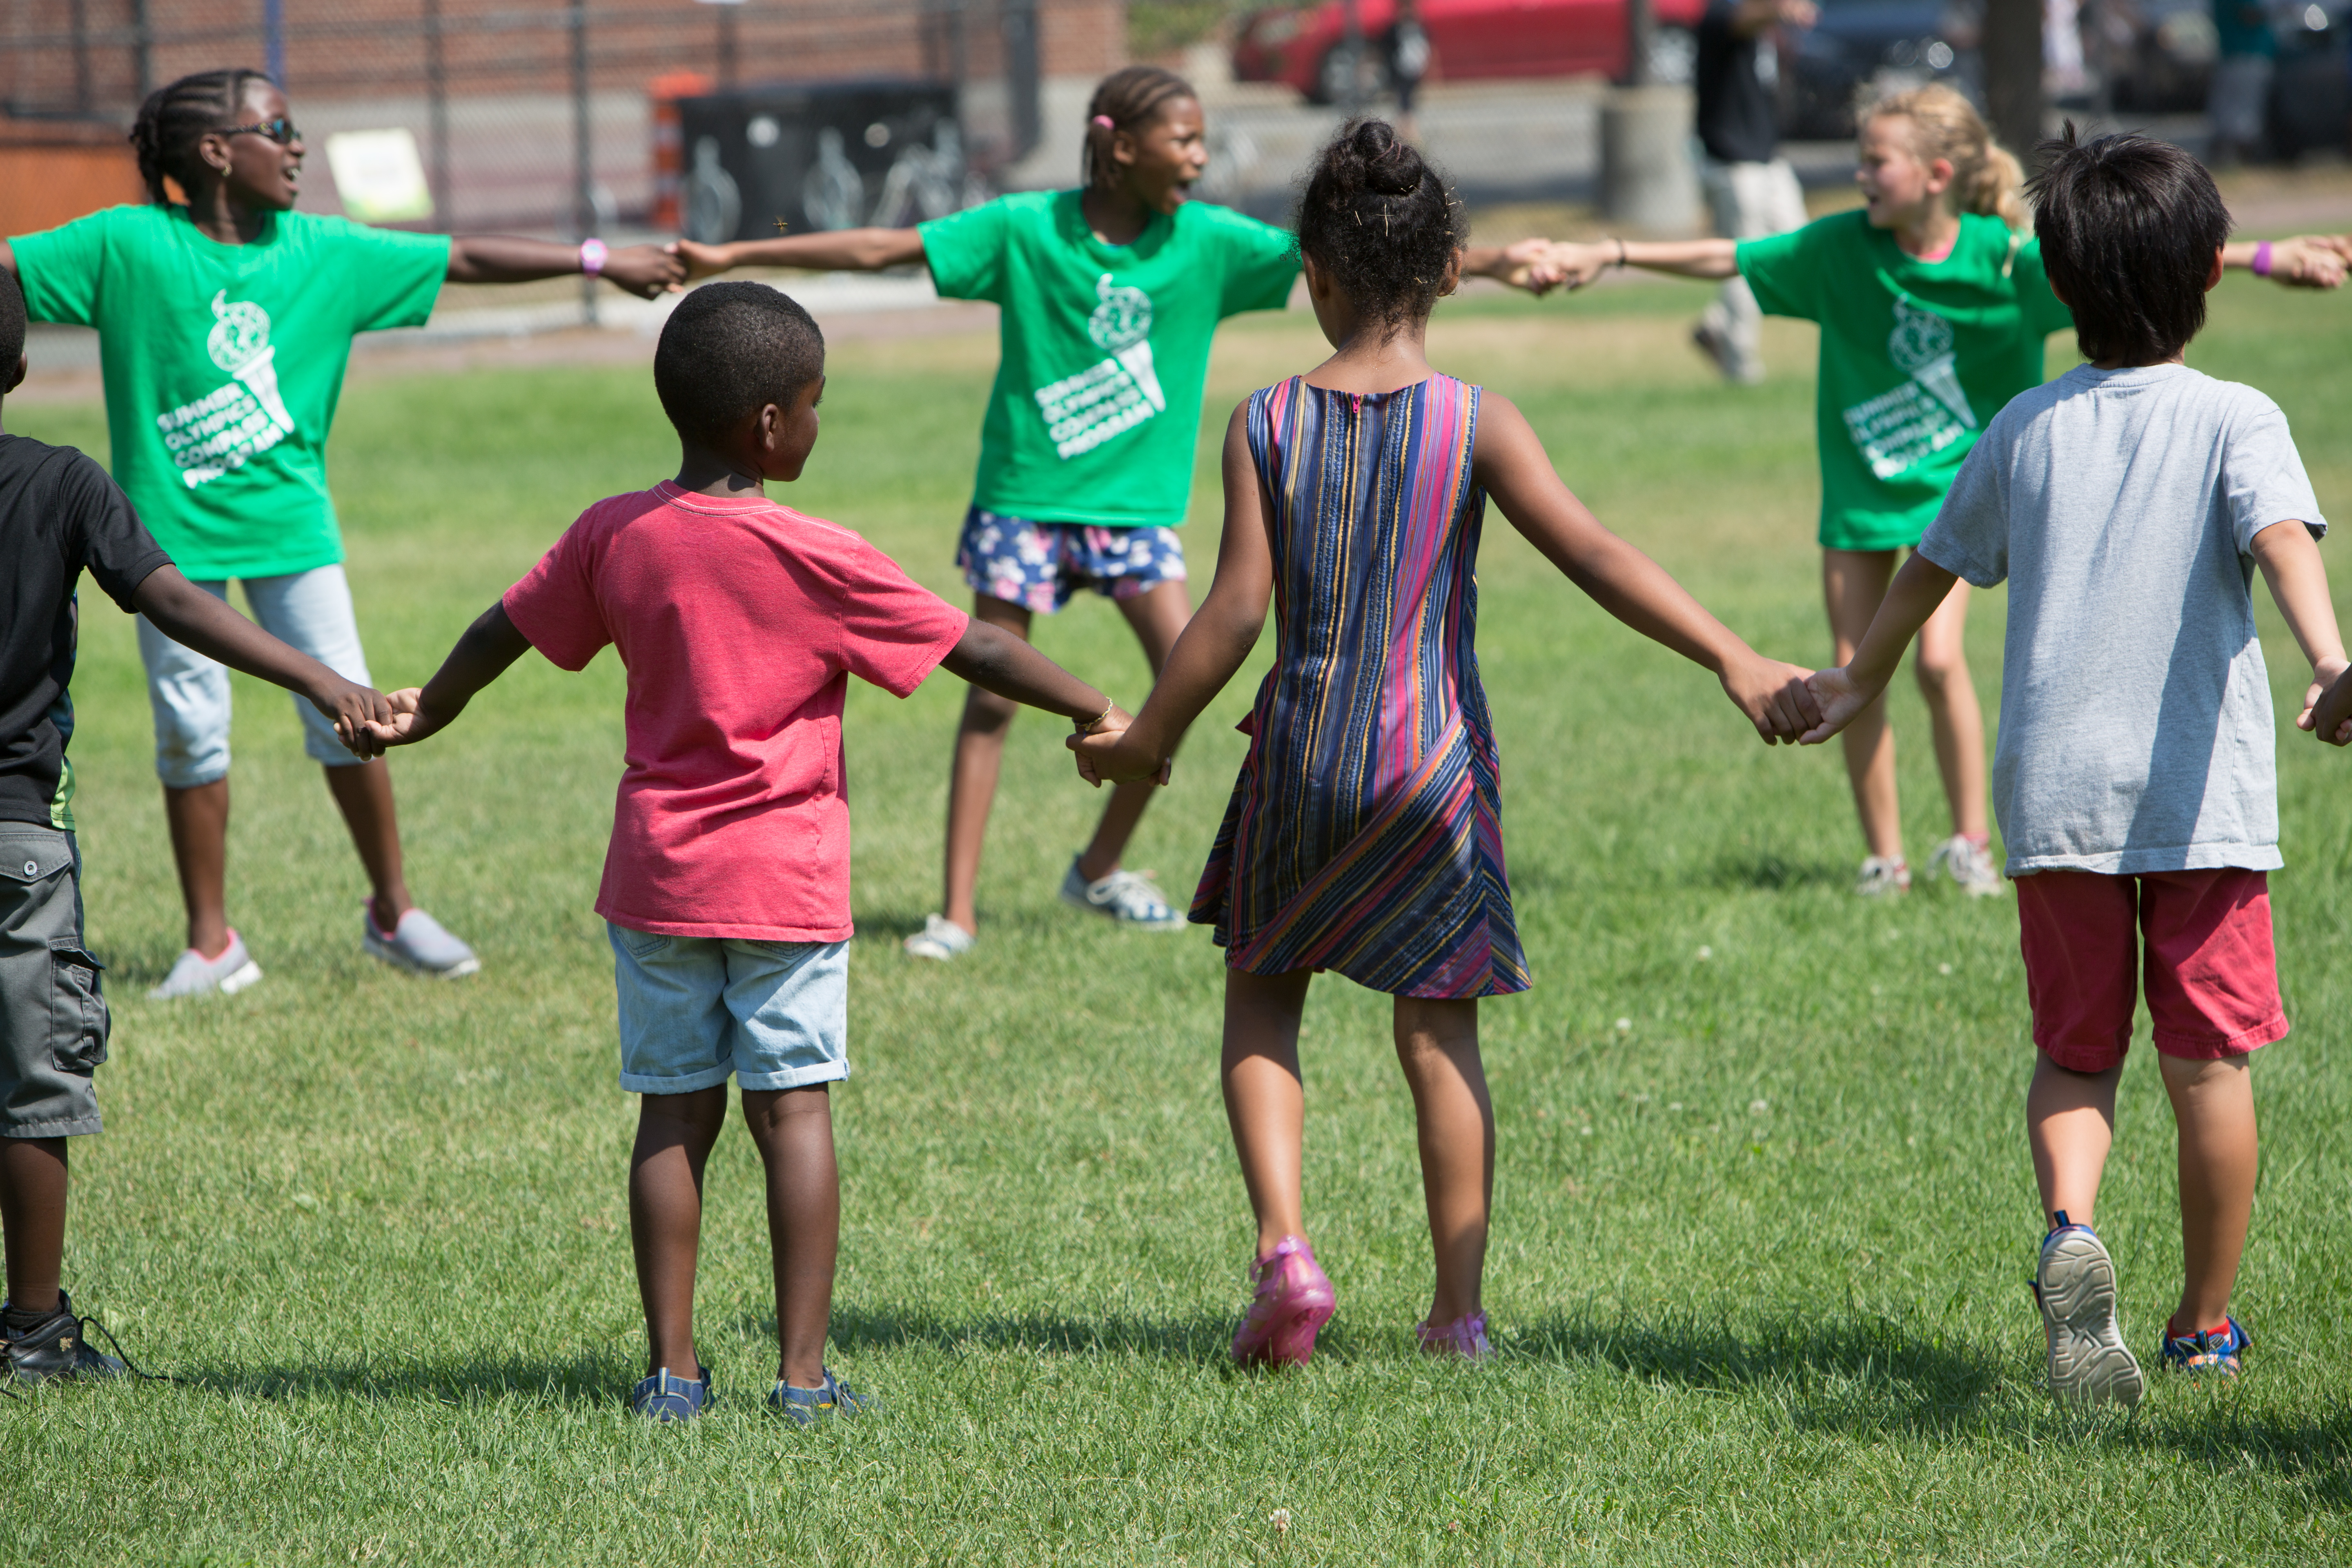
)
(1307, 46)
(1864, 48)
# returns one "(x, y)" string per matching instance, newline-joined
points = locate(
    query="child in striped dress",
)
(1364, 835)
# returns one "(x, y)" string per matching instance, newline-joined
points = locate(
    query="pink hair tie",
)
(1104, 120)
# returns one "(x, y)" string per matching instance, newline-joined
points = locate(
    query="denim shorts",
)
(311, 611)
(1038, 566)
(695, 1009)
(53, 1017)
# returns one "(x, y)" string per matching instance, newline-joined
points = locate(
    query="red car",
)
(1306, 46)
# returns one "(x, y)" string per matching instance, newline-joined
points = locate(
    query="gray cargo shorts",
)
(52, 1013)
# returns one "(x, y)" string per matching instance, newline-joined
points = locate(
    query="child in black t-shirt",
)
(60, 514)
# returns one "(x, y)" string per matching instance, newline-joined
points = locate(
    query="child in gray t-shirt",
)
(2127, 504)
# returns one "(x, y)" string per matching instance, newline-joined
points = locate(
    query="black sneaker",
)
(55, 1348)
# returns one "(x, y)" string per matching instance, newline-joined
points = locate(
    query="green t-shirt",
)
(1915, 357)
(1096, 407)
(223, 365)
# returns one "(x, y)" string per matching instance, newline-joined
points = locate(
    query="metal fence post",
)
(1018, 24)
(437, 110)
(273, 39)
(584, 153)
(143, 49)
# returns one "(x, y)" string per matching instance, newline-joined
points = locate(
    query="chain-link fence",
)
(559, 114)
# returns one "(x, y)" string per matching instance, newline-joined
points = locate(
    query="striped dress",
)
(1365, 831)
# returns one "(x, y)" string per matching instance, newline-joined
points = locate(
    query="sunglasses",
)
(281, 131)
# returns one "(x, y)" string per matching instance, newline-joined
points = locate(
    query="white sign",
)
(378, 176)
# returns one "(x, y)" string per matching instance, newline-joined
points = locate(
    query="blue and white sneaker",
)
(420, 945)
(2075, 1284)
(663, 1397)
(807, 1406)
(2207, 1352)
(1131, 897)
(194, 975)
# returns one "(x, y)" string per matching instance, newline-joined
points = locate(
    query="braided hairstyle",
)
(1129, 100)
(176, 117)
(1379, 223)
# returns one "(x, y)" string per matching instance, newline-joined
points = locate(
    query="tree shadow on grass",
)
(1870, 1377)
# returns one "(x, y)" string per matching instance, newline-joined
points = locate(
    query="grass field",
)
(1764, 1217)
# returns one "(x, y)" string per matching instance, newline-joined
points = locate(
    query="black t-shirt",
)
(1737, 121)
(59, 514)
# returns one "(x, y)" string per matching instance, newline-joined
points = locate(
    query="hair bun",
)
(1391, 168)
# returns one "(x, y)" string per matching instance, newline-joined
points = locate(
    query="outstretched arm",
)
(1214, 644)
(2290, 561)
(841, 250)
(1911, 599)
(995, 660)
(481, 656)
(1577, 265)
(1511, 464)
(2306, 261)
(194, 618)
(644, 270)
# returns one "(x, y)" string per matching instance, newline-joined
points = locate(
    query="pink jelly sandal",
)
(1465, 1337)
(1293, 1299)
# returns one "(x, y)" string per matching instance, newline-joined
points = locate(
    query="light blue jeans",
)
(307, 610)
(695, 1009)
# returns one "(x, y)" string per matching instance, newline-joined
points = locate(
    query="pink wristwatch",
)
(592, 256)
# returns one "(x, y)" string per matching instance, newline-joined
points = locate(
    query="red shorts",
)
(2213, 973)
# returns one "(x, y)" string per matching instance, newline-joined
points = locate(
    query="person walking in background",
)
(1364, 836)
(1111, 294)
(224, 319)
(2239, 101)
(1751, 189)
(1405, 47)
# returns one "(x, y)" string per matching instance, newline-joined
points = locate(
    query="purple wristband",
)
(2263, 259)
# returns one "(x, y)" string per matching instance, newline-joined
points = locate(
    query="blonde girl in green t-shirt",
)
(1109, 294)
(1932, 312)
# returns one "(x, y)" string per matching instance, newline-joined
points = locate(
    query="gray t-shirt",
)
(2136, 731)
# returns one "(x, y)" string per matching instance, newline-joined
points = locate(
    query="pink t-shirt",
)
(739, 622)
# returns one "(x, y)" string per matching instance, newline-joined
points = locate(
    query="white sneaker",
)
(2074, 1284)
(1880, 877)
(194, 975)
(420, 945)
(1968, 864)
(1131, 897)
(941, 939)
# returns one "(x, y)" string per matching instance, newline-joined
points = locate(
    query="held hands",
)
(354, 708)
(699, 260)
(1105, 755)
(2327, 706)
(2310, 261)
(647, 271)
(1839, 699)
(1773, 694)
(1527, 265)
(1576, 265)
(404, 724)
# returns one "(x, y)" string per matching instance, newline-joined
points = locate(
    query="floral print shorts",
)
(1038, 566)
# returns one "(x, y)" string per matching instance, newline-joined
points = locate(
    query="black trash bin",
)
(820, 156)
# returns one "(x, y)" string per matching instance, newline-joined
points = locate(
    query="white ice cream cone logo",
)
(1123, 317)
(239, 344)
(1921, 344)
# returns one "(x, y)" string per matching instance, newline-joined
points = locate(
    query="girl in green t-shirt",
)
(225, 318)
(1110, 294)
(1932, 312)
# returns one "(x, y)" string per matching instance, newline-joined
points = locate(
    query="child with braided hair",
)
(225, 319)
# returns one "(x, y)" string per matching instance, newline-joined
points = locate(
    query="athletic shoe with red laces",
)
(2207, 1352)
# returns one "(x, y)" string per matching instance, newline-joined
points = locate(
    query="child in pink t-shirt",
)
(726, 888)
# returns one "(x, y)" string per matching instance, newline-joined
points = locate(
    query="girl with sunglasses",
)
(225, 318)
